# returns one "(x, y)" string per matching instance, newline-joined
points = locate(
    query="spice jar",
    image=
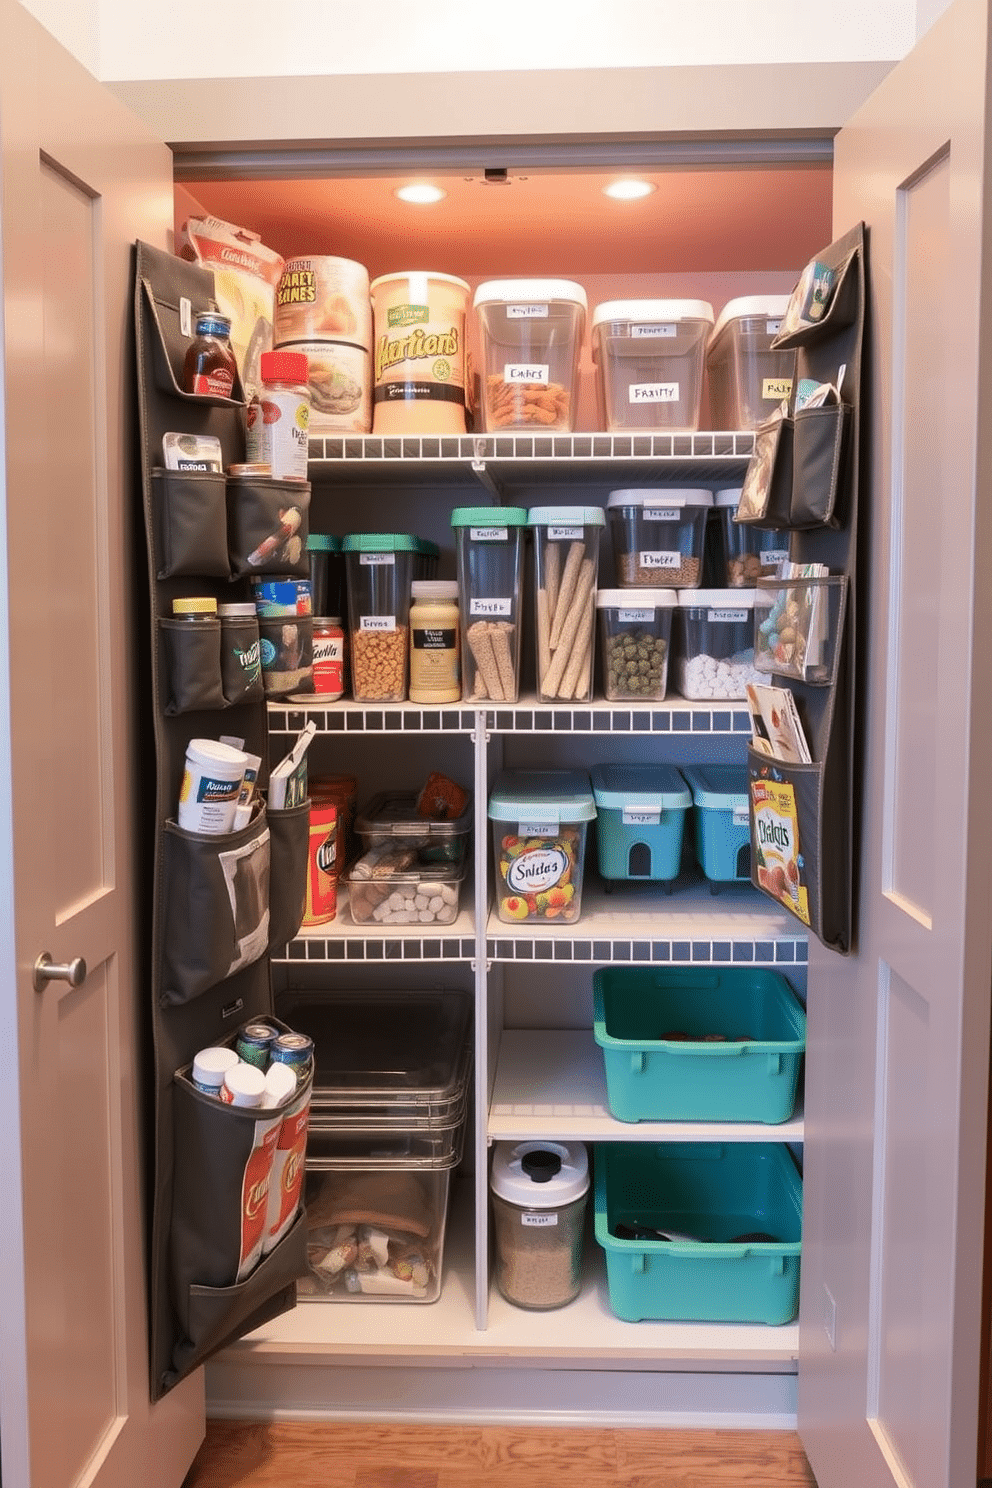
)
(210, 368)
(277, 421)
(539, 1195)
(435, 676)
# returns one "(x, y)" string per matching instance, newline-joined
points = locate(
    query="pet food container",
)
(640, 820)
(539, 822)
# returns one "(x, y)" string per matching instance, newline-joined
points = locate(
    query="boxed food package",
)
(245, 277)
(530, 334)
(539, 822)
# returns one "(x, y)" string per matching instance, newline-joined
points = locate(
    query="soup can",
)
(323, 865)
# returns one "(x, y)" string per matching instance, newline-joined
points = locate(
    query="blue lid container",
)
(640, 813)
(539, 838)
(722, 835)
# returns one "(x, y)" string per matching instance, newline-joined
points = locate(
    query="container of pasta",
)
(419, 353)
(531, 333)
(323, 309)
(566, 564)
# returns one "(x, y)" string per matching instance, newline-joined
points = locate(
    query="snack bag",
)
(245, 277)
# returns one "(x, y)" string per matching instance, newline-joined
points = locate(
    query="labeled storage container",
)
(539, 1196)
(659, 537)
(327, 585)
(380, 570)
(419, 353)
(649, 355)
(747, 379)
(391, 819)
(531, 334)
(715, 643)
(566, 567)
(715, 1199)
(721, 821)
(489, 549)
(539, 822)
(745, 553)
(634, 637)
(698, 1043)
(640, 820)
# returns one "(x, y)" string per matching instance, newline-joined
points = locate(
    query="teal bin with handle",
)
(700, 1231)
(640, 820)
(721, 822)
(686, 1043)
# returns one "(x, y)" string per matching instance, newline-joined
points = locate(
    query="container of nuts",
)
(746, 553)
(530, 331)
(659, 537)
(380, 569)
(634, 633)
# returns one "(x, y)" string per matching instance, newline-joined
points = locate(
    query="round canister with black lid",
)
(539, 1195)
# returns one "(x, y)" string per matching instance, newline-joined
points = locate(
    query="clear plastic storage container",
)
(747, 379)
(489, 548)
(566, 567)
(640, 820)
(659, 536)
(715, 643)
(380, 570)
(539, 1196)
(745, 553)
(539, 820)
(634, 639)
(531, 334)
(650, 356)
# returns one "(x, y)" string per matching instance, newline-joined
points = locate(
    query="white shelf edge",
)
(664, 717)
(342, 940)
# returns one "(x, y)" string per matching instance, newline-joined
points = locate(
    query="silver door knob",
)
(46, 970)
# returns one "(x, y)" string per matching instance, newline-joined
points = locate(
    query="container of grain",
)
(323, 309)
(539, 1195)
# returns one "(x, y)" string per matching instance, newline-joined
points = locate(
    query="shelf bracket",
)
(482, 475)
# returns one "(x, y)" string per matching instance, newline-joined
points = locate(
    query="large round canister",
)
(323, 309)
(419, 355)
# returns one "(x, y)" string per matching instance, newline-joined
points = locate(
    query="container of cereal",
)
(659, 536)
(323, 310)
(531, 334)
(379, 568)
(539, 822)
(747, 379)
(566, 565)
(640, 820)
(539, 1196)
(489, 547)
(650, 356)
(715, 643)
(419, 353)
(634, 635)
(746, 553)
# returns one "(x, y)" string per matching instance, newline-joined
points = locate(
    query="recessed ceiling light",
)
(420, 192)
(628, 190)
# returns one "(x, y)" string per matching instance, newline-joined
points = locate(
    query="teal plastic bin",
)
(683, 1043)
(640, 820)
(722, 835)
(718, 1193)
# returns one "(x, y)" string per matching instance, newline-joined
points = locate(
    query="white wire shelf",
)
(673, 716)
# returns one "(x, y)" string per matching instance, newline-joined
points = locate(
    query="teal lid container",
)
(489, 516)
(722, 821)
(327, 581)
(489, 549)
(379, 569)
(641, 813)
(551, 796)
(539, 840)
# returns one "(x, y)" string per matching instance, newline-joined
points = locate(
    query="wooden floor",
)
(294, 1455)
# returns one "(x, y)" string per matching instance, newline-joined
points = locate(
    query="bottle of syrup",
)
(210, 368)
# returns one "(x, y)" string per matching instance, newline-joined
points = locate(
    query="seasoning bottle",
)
(277, 421)
(210, 368)
(435, 673)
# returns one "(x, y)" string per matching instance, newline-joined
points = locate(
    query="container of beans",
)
(659, 537)
(745, 553)
(634, 634)
(380, 569)
(539, 1196)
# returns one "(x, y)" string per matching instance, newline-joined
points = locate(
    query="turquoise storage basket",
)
(651, 1077)
(714, 1190)
(722, 833)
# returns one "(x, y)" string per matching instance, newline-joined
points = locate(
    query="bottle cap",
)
(284, 366)
(434, 589)
(244, 1085)
(201, 605)
(211, 1065)
(228, 611)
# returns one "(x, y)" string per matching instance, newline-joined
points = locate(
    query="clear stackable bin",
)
(714, 652)
(650, 356)
(539, 820)
(659, 536)
(634, 637)
(392, 818)
(380, 568)
(489, 549)
(747, 379)
(531, 334)
(746, 553)
(566, 569)
(640, 820)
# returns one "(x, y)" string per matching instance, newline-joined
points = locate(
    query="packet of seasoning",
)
(192, 452)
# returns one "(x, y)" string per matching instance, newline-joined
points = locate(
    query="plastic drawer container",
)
(391, 818)
(747, 379)
(650, 356)
(640, 820)
(635, 627)
(530, 333)
(746, 553)
(715, 643)
(722, 828)
(539, 822)
(489, 548)
(380, 568)
(717, 1191)
(696, 1044)
(659, 537)
(426, 894)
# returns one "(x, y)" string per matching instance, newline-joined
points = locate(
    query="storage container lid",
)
(434, 589)
(648, 311)
(717, 599)
(237, 611)
(566, 516)
(628, 786)
(685, 496)
(723, 787)
(489, 516)
(635, 599)
(380, 542)
(772, 307)
(323, 542)
(542, 795)
(514, 291)
(540, 1175)
(424, 274)
(394, 814)
(729, 497)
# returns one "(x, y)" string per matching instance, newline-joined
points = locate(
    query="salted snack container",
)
(489, 549)
(659, 536)
(640, 820)
(539, 1196)
(649, 356)
(539, 820)
(380, 569)
(566, 567)
(745, 553)
(747, 378)
(634, 639)
(714, 649)
(530, 333)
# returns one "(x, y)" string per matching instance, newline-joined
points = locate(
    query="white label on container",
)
(773, 555)
(488, 534)
(377, 622)
(740, 816)
(185, 316)
(565, 534)
(772, 327)
(641, 816)
(537, 829)
(373, 560)
(774, 389)
(660, 559)
(539, 1221)
(528, 372)
(662, 514)
(635, 617)
(727, 617)
(526, 312)
(490, 606)
(653, 392)
(636, 331)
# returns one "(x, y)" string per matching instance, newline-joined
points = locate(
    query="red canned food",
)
(328, 658)
(323, 868)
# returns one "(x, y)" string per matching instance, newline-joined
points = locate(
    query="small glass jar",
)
(435, 672)
(210, 368)
(194, 608)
